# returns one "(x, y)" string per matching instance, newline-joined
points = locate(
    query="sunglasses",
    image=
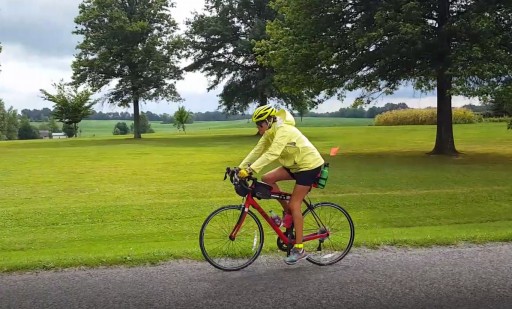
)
(260, 123)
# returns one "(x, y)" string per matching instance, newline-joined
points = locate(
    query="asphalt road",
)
(456, 277)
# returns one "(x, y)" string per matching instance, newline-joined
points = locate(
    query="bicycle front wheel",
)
(335, 220)
(222, 252)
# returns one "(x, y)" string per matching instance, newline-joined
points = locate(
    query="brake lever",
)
(226, 173)
(232, 174)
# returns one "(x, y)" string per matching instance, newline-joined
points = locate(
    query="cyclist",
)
(300, 161)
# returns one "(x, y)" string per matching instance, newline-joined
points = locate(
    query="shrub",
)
(422, 117)
(463, 115)
(479, 117)
(121, 128)
(27, 131)
(498, 119)
(144, 125)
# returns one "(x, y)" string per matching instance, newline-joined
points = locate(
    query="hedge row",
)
(498, 119)
(423, 117)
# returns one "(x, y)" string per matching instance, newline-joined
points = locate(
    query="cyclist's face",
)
(262, 126)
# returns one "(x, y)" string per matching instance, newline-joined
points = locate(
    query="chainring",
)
(281, 245)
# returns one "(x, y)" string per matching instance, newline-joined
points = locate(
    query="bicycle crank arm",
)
(320, 242)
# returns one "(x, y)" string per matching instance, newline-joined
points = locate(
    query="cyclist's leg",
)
(295, 204)
(274, 176)
(303, 183)
(297, 252)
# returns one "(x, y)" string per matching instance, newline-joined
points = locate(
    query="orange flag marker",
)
(334, 151)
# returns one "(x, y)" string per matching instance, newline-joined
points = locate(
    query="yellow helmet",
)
(263, 112)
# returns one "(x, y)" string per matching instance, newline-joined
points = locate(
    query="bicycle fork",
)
(238, 226)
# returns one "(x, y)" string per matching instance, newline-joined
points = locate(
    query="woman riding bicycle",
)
(300, 161)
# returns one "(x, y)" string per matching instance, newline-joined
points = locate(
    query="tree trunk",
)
(262, 87)
(445, 145)
(136, 118)
(263, 99)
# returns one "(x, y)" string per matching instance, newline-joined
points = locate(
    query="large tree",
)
(457, 47)
(71, 104)
(221, 45)
(131, 45)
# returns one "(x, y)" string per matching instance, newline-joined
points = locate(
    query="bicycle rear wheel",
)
(334, 219)
(222, 252)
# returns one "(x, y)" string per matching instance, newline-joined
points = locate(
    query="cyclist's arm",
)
(273, 152)
(260, 148)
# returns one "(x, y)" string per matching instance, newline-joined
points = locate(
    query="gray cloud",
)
(42, 27)
(43, 42)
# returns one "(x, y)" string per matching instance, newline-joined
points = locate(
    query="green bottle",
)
(324, 174)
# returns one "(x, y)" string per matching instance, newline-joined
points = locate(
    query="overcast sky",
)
(38, 49)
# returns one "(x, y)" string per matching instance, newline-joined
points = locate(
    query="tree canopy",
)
(221, 45)
(181, 117)
(71, 105)
(458, 47)
(26, 130)
(131, 45)
(500, 101)
(8, 122)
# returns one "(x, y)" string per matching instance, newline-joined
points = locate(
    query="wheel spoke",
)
(341, 233)
(227, 254)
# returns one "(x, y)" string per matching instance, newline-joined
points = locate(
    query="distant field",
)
(96, 128)
(109, 200)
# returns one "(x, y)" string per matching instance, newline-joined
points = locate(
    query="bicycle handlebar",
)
(260, 190)
(233, 175)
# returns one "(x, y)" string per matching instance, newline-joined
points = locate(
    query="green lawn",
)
(107, 200)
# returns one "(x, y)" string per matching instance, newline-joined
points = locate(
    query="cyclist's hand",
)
(244, 173)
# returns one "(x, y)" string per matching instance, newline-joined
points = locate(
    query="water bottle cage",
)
(318, 182)
(322, 177)
(321, 182)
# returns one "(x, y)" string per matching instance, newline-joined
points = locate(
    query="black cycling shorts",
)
(305, 178)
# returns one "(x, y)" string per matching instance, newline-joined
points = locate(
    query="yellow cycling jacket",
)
(285, 142)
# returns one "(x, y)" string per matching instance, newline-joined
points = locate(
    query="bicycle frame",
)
(250, 201)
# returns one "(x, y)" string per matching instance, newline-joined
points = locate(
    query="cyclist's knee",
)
(294, 206)
(267, 178)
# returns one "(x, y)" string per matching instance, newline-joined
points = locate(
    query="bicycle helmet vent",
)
(263, 112)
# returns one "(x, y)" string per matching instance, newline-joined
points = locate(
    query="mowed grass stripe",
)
(316, 199)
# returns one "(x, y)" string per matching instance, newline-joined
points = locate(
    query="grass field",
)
(108, 200)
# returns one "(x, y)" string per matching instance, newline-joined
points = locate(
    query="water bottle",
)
(276, 218)
(324, 174)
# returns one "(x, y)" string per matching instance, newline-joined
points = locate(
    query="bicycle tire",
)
(218, 225)
(341, 227)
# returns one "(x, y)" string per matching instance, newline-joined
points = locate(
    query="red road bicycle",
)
(231, 237)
